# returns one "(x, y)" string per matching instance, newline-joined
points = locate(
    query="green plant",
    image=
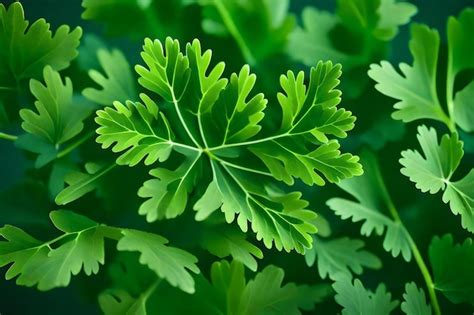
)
(193, 185)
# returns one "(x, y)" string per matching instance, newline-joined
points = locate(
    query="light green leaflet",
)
(356, 300)
(223, 242)
(25, 51)
(118, 83)
(81, 247)
(341, 255)
(433, 171)
(452, 268)
(208, 130)
(416, 87)
(57, 117)
(167, 262)
(415, 301)
(373, 200)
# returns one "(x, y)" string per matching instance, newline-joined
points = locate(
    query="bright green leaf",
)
(57, 118)
(433, 172)
(416, 88)
(415, 301)
(223, 243)
(25, 51)
(374, 200)
(342, 255)
(82, 183)
(38, 264)
(167, 262)
(356, 299)
(209, 130)
(118, 84)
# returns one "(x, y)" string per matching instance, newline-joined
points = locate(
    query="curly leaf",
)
(25, 51)
(118, 84)
(341, 255)
(57, 118)
(433, 172)
(373, 199)
(356, 299)
(210, 129)
(415, 301)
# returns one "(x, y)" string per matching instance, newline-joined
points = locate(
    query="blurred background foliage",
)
(25, 198)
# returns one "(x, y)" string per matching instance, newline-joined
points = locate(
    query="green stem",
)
(7, 88)
(8, 137)
(418, 258)
(449, 97)
(74, 145)
(427, 276)
(145, 295)
(233, 29)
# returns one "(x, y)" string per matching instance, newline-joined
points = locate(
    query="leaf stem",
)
(74, 145)
(233, 29)
(181, 118)
(427, 276)
(145, 295)
(8, 136)
(417, 255)
(7, 88)
(449, 96)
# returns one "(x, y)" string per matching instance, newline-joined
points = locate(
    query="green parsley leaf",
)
(416, 88)
(210, 126)
(57, 120)
(452, 268)
(415, 301)
(433, 172)
(168, 262)
(231, 242)
(373, 201)
(25, 51)
(341, 255)
(118, 84)
(37, 263)
(356, 299)
(82, 183)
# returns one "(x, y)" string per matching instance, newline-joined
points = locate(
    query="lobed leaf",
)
(433, 172)
(356, 299)
(25, 51)
(209, 129)
(451, 263)
(341, 255)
